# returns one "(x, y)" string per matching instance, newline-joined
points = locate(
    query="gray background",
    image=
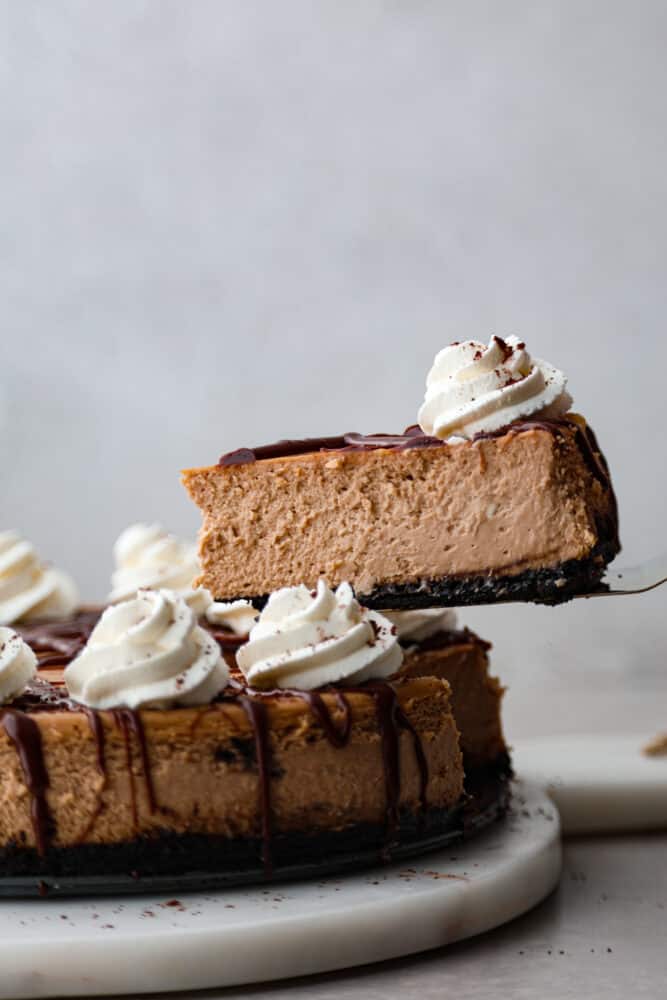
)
(222, 223)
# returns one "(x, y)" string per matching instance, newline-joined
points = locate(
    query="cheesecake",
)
(434, 646)
(499, 493)
(525, 513)
(255, 781)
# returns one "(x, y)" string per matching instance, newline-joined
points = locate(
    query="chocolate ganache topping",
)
(412, 437)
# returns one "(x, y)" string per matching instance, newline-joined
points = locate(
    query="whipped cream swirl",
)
(237, 616)
(472, 388)
(148, 557)
(305, 639)
(18, 665)
(29, 590)
(149, 652)
(422, 623)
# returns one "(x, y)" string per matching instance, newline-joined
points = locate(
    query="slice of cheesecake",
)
(526, 512)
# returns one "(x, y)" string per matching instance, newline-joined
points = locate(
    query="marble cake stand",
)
(87, 947)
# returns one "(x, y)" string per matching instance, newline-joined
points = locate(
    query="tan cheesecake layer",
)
(476, 697)
(194, 771)
(535, 497)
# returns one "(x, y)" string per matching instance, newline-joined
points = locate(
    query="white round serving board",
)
(601, 784)
(85, 947)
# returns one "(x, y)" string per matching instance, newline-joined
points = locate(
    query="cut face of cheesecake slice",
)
(461, 658)
(526, 513)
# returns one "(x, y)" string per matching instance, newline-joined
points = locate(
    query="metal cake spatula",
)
(632, 579)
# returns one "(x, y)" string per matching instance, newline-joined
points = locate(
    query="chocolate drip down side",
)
(99, 736)
(386, 708)
(27, 739)
(130, 724)
(256, 713)
(97, 729)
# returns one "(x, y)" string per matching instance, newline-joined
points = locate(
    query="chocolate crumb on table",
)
(656, 747)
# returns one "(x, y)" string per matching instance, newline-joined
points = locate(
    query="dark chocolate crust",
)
(196, 861)
(549, 585)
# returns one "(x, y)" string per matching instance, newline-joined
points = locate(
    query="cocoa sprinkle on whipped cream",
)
(149, 652)
(18, 665)
(474, 388)
(306, 639)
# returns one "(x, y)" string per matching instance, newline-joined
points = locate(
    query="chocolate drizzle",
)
(97, 729)
(391, 719)
(56, 643)
(27, 738)
(129, 722)
(387, 716)
(343, 442)
(99, 736)
(337, 736)
(228, 641)
(256, 712)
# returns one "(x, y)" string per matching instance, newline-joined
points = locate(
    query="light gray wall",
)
(225, 222)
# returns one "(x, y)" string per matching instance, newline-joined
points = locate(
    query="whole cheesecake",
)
(252, 783)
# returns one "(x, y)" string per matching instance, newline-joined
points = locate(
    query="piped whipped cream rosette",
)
(421, 623)
(29, 590)
(306, 639)
(149, 652)
(148, 557)
(474, 388)
(18, 665)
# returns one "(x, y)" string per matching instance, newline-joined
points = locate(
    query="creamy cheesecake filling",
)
(533, 497)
